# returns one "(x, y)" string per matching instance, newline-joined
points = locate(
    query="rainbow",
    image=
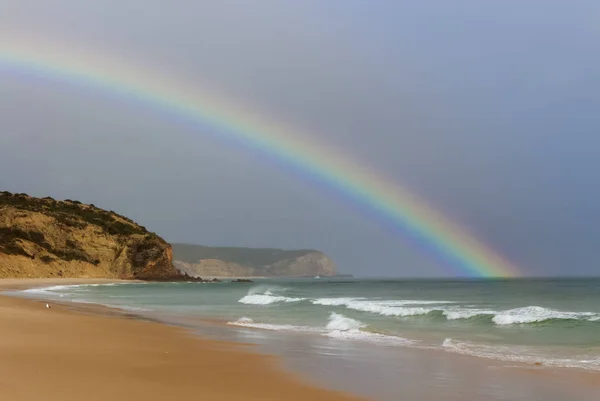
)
(388, 202)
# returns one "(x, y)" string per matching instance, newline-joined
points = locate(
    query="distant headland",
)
(205, 261)
(44, 237)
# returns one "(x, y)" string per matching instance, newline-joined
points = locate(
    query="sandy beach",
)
(75, 351)
(61, 354)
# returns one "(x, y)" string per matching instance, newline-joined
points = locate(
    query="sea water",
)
(548, 322)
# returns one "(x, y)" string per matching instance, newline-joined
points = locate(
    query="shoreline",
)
(63, 354)
(554, 380)
(16, 284)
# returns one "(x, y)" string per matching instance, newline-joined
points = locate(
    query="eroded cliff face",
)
(49, 238)
(307, 265)
(311, 264)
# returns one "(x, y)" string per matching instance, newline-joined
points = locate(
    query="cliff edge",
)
(48, 238)
(205, 261)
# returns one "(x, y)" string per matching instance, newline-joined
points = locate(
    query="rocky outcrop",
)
(49, 238)
(202, 261)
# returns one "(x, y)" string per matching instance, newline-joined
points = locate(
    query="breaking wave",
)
(460, 313)
(266, 299)
(536, 314)
(264, 295)
(343, 323)
(338, 327)
(382, 307)
(432, 308)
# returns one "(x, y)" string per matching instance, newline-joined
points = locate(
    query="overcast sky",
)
(488, 109)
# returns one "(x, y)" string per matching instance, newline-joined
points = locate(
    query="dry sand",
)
(61, 354)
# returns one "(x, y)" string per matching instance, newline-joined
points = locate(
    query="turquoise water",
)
(555, 322)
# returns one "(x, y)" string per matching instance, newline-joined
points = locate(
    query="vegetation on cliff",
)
(198, 260)
(50, 238)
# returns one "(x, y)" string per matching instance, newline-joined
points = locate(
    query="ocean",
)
(552, 323)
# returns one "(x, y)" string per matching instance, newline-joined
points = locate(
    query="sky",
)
(489, 110)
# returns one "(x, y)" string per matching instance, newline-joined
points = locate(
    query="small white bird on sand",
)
(47, 306)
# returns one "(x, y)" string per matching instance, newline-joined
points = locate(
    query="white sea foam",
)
(411, 302)
(345, 328)
(459, 313)
(266, 295)
(498, 352)
(534, 314)
(49, 290)
(383, 307)
(248, 322)
(266, 289)
(404, 308)
(358, 335)
(61, 290)
(388, 310)
(518, 354)
(334, 301)
(338, 327)
(243, 320)
(344, 301)
(266, 299)
(340, 322)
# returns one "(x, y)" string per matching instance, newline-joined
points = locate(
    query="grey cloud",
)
(487, 110)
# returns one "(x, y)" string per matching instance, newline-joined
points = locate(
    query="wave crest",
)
(266, 295)
(338, 327)
(265, 299)
(455, 314)
(536, 314)
(382, 307)
(341, 322)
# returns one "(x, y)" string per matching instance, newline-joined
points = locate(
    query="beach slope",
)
(67, 355)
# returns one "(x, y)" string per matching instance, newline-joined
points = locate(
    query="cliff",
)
(200, 261)
(49, 238)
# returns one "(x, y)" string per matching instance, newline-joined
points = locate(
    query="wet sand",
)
(84, 351)
(62, 354)
(395, 373)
